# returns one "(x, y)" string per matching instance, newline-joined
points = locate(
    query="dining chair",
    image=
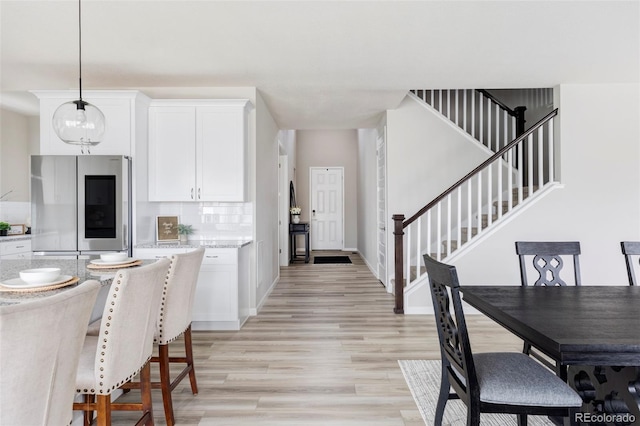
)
(631, 252)
(174, 320)
(124, 344)
(40, 343)
(547, 258)
(496, 382)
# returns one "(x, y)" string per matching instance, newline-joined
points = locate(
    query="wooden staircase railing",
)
(478, 113)
(469, 206)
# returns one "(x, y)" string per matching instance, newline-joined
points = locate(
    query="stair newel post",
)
(520, 121)
(398, 231)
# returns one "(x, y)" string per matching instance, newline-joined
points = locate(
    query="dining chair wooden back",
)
(631, 252)
(40, 344)
(174, 320)
(547, 258)
(124, 344)
(499, 382)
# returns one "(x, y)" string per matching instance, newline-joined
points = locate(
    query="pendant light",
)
(79, 122)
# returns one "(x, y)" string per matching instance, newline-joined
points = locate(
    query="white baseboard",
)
(254, 312)
(215, 325)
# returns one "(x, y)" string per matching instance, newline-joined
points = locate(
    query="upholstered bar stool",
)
(124, 344)
(40, 344)
(174, 320)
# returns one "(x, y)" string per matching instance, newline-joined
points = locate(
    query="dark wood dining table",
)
(592, 330)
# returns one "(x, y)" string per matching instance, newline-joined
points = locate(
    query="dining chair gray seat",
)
(631, 252)
(40, 344)
(513, 378)
(501, 382)
(124, 344)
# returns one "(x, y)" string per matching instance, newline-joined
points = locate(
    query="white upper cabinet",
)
(119, 108)
(197, 150)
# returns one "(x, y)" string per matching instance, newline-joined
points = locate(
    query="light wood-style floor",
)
(322, 351)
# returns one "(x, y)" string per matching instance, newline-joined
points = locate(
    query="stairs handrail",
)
(479, 168)
(489, 95)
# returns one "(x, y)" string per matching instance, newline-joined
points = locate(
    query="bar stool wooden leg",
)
(103, 407)
(88, 415)
(188, 349)
(165, 383)
(145, 390)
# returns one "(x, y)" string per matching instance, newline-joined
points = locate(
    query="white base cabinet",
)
(20, 249)
(222, 300)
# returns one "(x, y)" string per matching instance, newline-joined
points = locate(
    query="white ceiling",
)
(317, 64)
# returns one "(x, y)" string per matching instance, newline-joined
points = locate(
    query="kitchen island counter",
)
(75, 267)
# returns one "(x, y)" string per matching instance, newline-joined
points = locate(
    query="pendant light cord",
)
(80, 47)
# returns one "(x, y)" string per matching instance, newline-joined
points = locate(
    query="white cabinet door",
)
(220, 146)
(172, 153)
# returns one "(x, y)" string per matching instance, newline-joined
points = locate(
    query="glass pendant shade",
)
(79, 123)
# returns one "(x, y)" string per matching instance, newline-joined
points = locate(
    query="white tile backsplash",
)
(15, 212)
(210, 221)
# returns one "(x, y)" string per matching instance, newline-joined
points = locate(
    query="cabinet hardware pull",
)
(212, 257)
(192, 193)
(199, 197)
(19, 246)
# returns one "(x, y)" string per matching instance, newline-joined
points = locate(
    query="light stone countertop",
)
(206, 243)
(23, 237)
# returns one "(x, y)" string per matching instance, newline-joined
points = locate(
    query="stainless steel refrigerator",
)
(80, 205)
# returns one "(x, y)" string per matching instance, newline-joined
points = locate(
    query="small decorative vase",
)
(296, 218)
(5, 232)
(183, 238)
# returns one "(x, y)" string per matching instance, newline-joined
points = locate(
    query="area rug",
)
(331, 259)
(423, 380)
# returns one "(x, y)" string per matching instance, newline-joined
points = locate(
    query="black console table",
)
(295, 229)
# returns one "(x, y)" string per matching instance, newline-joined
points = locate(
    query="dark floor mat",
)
(331, 259)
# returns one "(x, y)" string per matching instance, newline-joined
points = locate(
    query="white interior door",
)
(327, 216)
(381, 155)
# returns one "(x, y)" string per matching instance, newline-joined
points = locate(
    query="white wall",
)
(14, 156)
(367, 198)
(329, 148)
(288, 140)
(266, 241)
